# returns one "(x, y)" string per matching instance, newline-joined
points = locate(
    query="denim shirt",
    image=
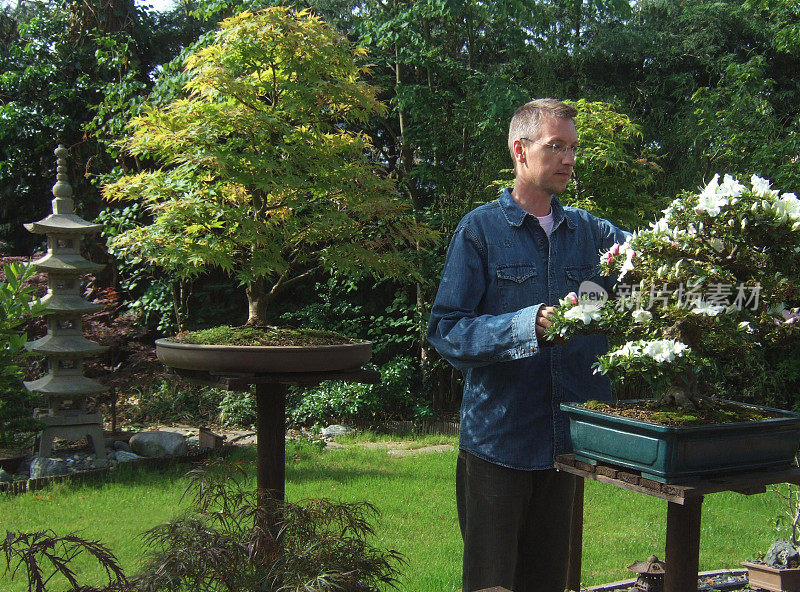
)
(500, 268)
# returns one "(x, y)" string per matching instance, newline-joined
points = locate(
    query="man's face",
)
(541, 167)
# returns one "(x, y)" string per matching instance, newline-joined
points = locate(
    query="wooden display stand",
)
(682, 553)
(271, 413)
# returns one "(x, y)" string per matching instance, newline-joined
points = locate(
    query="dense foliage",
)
(18, 303)
(670, 93)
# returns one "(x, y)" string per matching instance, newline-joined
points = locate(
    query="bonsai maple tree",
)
(262, 173)
(713, 278)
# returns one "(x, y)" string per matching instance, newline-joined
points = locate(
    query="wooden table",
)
(682, 553)
(271, 413)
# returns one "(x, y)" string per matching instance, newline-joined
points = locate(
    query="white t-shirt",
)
(546, 222)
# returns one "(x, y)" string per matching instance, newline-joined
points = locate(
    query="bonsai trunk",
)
(683, 393)
(259, 299)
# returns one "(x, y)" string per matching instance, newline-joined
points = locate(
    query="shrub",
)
(175, 400)
(237, 409)
(393, 398)
(17, 304)
(229, 540)
(34, 550)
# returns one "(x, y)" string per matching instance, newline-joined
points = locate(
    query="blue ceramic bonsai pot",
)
(676, 454)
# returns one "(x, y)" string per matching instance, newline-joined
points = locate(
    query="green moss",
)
(711, 411)
(267, 335)
(676, 417)
(595, 405)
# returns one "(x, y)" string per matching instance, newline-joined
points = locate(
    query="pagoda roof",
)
(65, 384)
(63, 224)
(76, 345)
(59, 262)
(58, 303)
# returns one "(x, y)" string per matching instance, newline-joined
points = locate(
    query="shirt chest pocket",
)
(576, 275)
(517, 286)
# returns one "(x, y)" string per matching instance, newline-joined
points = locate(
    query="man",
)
(508, 263)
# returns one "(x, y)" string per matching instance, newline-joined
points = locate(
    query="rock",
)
(5, 477)
(111, 455)
(333, 431)
(782, 554)
(158, 443)
(48, 467)
(123, 456)
(121, 445)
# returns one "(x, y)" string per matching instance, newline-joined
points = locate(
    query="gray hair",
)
(527, 120)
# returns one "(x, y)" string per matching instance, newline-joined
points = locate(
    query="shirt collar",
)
(515, 215)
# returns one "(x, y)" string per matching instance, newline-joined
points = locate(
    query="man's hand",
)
(542, 323)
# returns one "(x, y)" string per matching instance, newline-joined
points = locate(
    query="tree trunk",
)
(577, 23)
(683, 393)
(258, 300)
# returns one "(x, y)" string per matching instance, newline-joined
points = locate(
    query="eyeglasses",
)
(556, 147)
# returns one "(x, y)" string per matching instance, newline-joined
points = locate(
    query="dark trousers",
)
(515, 525)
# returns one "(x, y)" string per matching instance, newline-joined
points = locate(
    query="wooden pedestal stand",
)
(682, 554)
(271, 413)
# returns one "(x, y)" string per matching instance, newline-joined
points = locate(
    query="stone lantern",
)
(651, 574)
(64, 385)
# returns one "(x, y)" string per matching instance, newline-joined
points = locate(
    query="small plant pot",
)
(777, 579)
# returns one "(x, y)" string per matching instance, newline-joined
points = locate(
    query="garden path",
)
(241, 437)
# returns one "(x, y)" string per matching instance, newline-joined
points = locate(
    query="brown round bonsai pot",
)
(260, 359)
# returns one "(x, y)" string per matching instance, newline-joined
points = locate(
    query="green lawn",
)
(415, 495)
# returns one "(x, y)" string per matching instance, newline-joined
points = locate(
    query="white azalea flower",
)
(712, 187)
(664, 350)
(710, 203)
(660, 226)
(704, 308)
(746, 327)
(761, 187)
(669, 210)
(789, 205)
(790, 316)
(716, 195)
(641, 316)
(586, 312)
(629, 350)
(660, 350)
(731, 188)
(628, 265)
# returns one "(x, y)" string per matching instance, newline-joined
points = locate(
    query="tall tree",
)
(262, 174)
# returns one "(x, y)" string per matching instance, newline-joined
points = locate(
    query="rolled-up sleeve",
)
(457, 329)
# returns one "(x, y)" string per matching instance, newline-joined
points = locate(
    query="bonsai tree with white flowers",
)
(715, 277)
